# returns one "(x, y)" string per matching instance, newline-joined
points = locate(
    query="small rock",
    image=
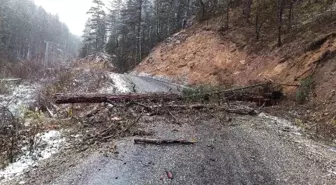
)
(333, 149)
(169, 175)
(211, 146)
(286, 129)
(243, 62)
(151, 163)
(233, 124)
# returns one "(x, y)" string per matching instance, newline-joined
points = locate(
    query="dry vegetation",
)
(43, 115)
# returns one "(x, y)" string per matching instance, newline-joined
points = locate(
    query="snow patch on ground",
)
(281, 122)
(161, 78)
(19, 97)
(46, 144)
(120, 84)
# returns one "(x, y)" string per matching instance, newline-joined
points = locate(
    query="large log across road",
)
(112, 98)
(266, 96)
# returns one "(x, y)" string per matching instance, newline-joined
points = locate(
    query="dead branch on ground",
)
(163, 141)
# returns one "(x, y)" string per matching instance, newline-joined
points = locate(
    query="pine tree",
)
(89, 41)
(25, 30)
(97, 24)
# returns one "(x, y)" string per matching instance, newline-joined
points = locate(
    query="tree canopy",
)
(28, 32)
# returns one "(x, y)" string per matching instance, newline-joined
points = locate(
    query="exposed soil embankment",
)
(205, 54)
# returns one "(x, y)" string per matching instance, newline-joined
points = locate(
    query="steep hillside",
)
(202, 54)
(207, 54)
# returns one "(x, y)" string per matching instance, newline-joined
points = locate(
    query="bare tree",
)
(290, 14)
(280, 9)
(228, 3)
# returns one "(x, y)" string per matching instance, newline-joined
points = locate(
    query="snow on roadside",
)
(161, 78)
(120, 84)
(47, 144)
(19, 97)
(281, 122)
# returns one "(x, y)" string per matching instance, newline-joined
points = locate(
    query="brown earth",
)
(204, 54)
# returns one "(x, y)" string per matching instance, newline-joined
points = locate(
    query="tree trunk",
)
(260, 93)
(280, 14)
(203, 8)
(290, 15)
(227, 13)
(110, 98)
(257, 24)
(247, 9)
(139, 30)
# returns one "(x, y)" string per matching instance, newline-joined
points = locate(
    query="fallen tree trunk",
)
(10, 80)
(261, 94)
(204, 106)
(108, 98)
(163, 141)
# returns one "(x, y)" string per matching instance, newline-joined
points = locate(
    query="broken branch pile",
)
(118, 115)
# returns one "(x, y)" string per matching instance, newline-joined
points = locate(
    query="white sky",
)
(71, 12)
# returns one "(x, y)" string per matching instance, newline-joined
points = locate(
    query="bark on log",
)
(163, 141)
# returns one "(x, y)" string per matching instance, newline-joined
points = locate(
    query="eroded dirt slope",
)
(205, 54)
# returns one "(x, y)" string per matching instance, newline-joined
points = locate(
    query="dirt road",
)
(246, 150)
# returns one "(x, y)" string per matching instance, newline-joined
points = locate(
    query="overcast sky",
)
(71, 12)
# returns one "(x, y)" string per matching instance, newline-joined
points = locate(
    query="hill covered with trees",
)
(29, 33)
(129, 29)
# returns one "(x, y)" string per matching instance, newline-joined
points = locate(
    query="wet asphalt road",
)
(144, 84)
(247, 151)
